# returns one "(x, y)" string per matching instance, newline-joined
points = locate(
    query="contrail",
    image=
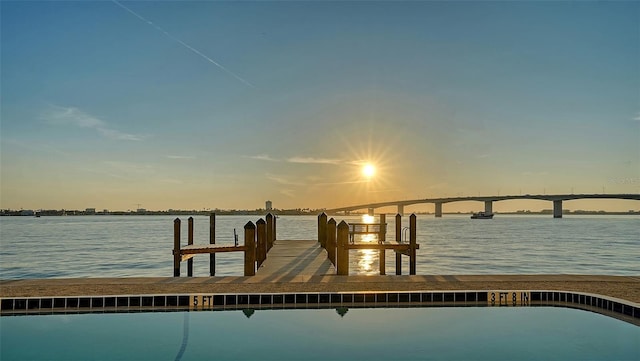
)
(184, 44)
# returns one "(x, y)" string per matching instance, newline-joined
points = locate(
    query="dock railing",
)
(258, 240)
(339, 239)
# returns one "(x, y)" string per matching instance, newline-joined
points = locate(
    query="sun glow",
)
(368, 170)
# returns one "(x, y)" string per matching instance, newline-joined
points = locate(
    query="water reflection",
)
(368, 219)
(366, 259)
(342, 311)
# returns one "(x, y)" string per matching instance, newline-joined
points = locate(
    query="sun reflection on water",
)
(366, 260)
(368, 219)
(367, 257)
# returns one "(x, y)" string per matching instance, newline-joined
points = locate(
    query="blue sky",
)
(180, 104)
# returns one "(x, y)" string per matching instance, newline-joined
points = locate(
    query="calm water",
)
(476, 333)
(129, 246)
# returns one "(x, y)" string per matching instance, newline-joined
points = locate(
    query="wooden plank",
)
(186, 257)
(394, 246)
(209, 248)
(293, 258)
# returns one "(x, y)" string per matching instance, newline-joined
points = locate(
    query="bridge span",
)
(557, 200)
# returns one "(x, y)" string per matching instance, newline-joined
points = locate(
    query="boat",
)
(482, 215)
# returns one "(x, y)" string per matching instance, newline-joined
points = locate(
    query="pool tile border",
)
(617, 308)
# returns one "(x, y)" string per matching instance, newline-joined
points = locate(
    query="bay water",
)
(141, 246)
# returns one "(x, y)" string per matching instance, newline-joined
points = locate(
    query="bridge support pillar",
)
(439, 209)
(488, 207)
(401, 209)
(557, 209)
(370, 211)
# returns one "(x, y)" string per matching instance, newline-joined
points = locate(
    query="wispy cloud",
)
(194, 50)
(75, 117)
(310, 160)
(302, 160)
(637, 117)
(338, 183)
(263, 157)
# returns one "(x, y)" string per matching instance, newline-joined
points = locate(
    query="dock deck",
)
(290, 258)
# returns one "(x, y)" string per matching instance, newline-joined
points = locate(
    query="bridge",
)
(557, 200)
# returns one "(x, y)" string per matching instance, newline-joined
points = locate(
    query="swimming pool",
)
(454, 333)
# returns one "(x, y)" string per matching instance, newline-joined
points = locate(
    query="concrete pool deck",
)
(621, 287)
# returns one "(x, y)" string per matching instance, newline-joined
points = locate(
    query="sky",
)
(201, 105)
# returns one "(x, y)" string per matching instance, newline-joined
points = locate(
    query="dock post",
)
(250, 249)
(270, 234)
(322, 229)
(275, 234)
(331, 241)
(176, 248)
(398, 240)
(382, 237)
(383, 261)
(190, 242)
(343, 250)
(261, 251)
(212, 240)
(412, 244)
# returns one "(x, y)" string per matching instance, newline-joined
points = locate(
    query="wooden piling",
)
(342, 249)
(331, 241)
(275, 233)
(382, 237)
(271, 237)
(212, 240)
(398, 240)
(176, 248)
(190, 242)
(261, 249)
(250, 249)
(322, 229)
(412, 244)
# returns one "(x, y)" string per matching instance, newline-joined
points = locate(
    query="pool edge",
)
(609, 306)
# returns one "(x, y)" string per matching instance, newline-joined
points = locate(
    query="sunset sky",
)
(197, 105)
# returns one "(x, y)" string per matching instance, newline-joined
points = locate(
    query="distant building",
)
(268, 205)
(90, 211)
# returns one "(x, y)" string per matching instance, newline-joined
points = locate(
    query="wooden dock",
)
(298, 257)
(290, 258)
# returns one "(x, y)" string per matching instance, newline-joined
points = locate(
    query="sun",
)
(368, 170)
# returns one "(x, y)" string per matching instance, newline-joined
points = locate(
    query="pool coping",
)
(609, 306)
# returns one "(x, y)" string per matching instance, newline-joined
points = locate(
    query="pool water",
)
(460, 333)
